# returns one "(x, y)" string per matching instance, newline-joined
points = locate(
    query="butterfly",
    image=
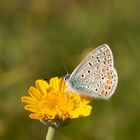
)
(95, 76)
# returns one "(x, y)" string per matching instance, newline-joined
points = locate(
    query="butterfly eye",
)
(66, 77)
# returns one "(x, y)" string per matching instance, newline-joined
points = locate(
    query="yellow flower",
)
(50, 102)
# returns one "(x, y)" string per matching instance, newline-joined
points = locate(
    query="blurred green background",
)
(38, 36)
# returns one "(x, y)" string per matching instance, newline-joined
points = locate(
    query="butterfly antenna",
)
(64, 65)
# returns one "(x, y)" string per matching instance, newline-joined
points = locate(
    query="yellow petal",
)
(29, 100)
(42, 85)
(86, 99)
(31, 108)
(75, 97)
(62, 85)
(54, 82)
(49, 114)
(35, 93)
(84, 110)
(35, 116)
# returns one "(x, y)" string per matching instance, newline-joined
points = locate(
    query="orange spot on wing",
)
(107, 87)
(103, 93)
(108, 73)
(103, 70)
(110, 77)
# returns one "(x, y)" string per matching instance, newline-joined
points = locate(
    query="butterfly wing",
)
(95, 76)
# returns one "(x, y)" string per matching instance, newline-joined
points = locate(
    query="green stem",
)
(51, 133)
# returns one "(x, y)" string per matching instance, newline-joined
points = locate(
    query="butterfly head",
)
(66, 77)
(68, 83)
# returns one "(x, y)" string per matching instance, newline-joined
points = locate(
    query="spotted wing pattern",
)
(95, 76)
